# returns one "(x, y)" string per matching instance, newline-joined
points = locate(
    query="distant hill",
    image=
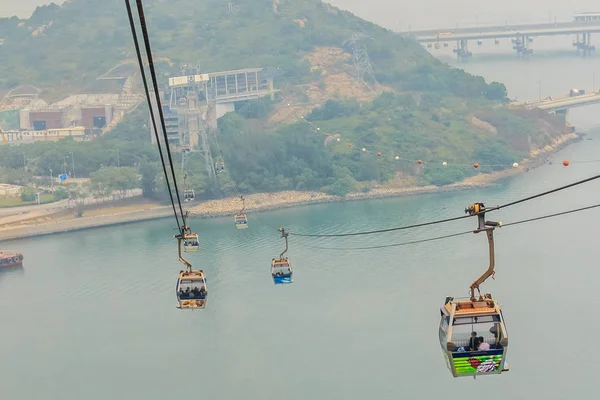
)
(419, 107)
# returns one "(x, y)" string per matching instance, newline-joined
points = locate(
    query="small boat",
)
(9, 259)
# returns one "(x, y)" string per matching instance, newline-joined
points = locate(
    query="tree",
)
(77, 195)
(496, 91)
(149, 172)
(107, 180)
(28, 194)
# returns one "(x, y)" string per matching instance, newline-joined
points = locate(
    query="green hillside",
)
(420, 108)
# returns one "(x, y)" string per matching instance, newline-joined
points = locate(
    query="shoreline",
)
(280, 200)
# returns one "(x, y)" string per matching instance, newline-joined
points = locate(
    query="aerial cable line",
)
(570, 185)
(144, 28)
(558, 189)
(455, 234)
(143, 73)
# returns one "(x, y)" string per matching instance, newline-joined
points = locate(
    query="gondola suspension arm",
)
(284, 235)
(487, 226)
(184, 229)
(244, 206)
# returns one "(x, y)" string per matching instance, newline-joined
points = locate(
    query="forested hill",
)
(419, 108)
(76, 43)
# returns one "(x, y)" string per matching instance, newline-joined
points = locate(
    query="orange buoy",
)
(378, 154)
(349, 144)
(566, 163)
(476, 165)
(420, 162)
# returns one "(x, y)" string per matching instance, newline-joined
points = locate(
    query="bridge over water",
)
(521, 35)
(562, 103)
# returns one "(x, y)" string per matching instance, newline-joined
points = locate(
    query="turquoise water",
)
(92, 315)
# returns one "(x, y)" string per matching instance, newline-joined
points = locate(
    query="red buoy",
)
(420, 162)
(378, 154)
(476, 165)
(566, 163)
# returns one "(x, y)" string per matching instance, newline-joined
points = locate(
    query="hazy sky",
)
(421, 14)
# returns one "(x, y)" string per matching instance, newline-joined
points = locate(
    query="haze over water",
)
(93, 314)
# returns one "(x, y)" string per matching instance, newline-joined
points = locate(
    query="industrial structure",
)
(81, 116)
(195, 101)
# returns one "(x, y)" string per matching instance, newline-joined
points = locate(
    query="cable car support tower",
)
(193, 113)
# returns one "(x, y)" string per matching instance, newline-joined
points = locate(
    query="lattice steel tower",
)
(360, 57)
(192, 121)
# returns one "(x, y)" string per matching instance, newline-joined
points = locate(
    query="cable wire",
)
(144, 28)
(143, 73)
(512, 203)
(558, 189)
(455, 234)
(552, 215)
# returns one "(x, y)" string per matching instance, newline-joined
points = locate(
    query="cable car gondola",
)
(240, 219)
(219, 166)
(191, 244)
(191, 284)
(472, 332)
(191, 289)
(189, 195)
(281, 269)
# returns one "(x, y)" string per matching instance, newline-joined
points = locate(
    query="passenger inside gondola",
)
(191, 242)
(192, 289)
(483, 345)
(464, 333)
(473, 341)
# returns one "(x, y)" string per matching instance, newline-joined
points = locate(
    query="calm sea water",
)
(92, 315)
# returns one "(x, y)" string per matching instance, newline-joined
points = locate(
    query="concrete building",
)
(41, 119)
(49, 135)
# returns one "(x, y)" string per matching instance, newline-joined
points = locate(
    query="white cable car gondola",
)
(191, 244)
(189, 195)
(281, 269)
(219, 166)
(191, 289)
(472, 332)
(240, 219)
(191, 284)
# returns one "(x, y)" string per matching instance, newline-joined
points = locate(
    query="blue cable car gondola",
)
(472, 332)
(281, 269)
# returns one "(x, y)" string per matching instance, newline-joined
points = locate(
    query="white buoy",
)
(397, 158)
(444, 163)
(338, 139)
(515, 165)
(364, 149)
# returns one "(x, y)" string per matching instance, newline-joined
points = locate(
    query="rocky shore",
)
(269, 201)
